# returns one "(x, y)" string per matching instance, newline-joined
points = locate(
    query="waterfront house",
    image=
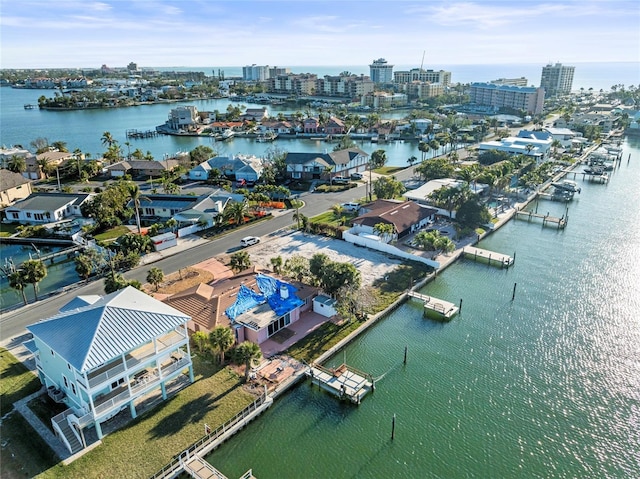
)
(255, 114)
(254, 305)
(141, 168)
(311, 125)
(47, 207)
(529, 146)
(275, 126)
(240, 167)
(308, 166)
(334, 126)
(422, 195)
(53, 160)
(104, 354)
(406, 217)
(13, 187)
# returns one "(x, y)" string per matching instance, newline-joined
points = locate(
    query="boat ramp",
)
(344, 381)
(490, 257)
(436, 308)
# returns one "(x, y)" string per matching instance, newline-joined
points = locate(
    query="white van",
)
(249, 240)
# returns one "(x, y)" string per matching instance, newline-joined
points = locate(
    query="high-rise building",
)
(380, 71)
(418, 74)
(255, 72)
(522, 81)
(556, 79)
(527, 99)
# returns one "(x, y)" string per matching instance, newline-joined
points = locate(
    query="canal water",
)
(546, 385)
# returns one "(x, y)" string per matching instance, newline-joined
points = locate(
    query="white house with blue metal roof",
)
(101, 355)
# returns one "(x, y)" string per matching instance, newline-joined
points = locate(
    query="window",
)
(65, 381)
(28, 215)
(73, 388)
(53, 353)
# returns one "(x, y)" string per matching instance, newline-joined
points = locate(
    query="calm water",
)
(545, 386)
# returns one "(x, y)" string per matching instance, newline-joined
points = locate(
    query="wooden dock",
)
(436, 308)
(546, 219)
(344, 381)
(198, 468)
(490, 257)
(141, 134)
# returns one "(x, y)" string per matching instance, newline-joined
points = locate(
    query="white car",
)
(249, 240)
(351, 206)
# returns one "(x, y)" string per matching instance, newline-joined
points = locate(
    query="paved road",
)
(13, 323)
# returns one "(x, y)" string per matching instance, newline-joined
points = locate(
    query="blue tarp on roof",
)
(271, 292)
(272, 289)
(247, 299)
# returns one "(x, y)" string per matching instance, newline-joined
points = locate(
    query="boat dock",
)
(490, 257)
(141, 134)
(436, 308)
(546, 219)
(198, 468)
(344, 381)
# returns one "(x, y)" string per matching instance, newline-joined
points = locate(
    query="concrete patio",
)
(308, 322)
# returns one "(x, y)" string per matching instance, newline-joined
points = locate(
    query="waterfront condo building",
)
(255, 72)
(347, 86)
(557, 79)
(101, 355)
(418, 74)
(522, 81)
(293, 84)
(380, 71)
(528, 99)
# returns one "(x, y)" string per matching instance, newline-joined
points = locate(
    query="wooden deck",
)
(198, 468)
(436, 308)
(344, 382)
(490, 257)
(547, 220)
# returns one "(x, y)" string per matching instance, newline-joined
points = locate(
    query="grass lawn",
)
(8, 229)
(16, 381)
(321, 340)
(112, 234)
(389, 170)
(154, 438)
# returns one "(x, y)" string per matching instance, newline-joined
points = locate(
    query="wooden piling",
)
(405, 355)
(460, 307)
(513, 296)
(393, 427)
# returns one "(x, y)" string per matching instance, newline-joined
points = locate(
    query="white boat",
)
(266, 137)
(227, 134)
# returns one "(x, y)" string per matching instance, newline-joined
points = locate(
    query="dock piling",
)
(460, 307)
(513, 296)
(393, 427)
(405, 355)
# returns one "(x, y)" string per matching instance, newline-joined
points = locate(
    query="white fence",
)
(187, 230)
(386, 248)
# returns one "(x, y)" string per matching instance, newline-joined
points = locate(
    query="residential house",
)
(141, 168)
(308, 166)
(100, 355)
(240, 167)
(7, 154)
(13, 187)
(334, 126)
(406, 217)
(529, 146)
(311, 125)
(279, 127)
(183, 118)
(422, 195)
(255, 114)
(53, 159)
(254, 305)
(47, 207)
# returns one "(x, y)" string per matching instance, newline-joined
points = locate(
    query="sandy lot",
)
(371, 264)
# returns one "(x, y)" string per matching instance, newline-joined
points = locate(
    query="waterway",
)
(547, 385)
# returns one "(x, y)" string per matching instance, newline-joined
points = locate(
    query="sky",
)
(173, 33)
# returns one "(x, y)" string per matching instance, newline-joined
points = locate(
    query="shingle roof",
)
(402, 215)
(341, 157)
(9, 179)
(92, 335)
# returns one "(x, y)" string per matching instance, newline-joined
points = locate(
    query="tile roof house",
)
(13, 187)
(141, 168)
(254, 305)
(313, 165)
(406, 217)
(47, 207)
(100, 355)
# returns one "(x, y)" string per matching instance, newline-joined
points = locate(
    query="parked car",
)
(249, 241)
(351, 206)
(356, 176)
(340, 180)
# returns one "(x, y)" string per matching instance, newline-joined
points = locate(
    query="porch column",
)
(163, 388)
(98, 429)
(191, 378)
(132, 409)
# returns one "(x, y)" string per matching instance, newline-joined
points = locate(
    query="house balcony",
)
(142, 382)
(145, 354)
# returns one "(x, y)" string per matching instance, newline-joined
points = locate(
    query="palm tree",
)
(239, 261)
(60, 146)
(107, 139)
(411, 160)
(221, 339)
(235, 211)
(17, 164)
(384, 230)
(424, 148)
(248, 352)
(276, 264)
(44, 162)
(155, 276)
(18, 282)
(434, 145)
(337, 210)
(34, 271)
(136, 196)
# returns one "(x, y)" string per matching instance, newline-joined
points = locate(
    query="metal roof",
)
(90, 336)
(50, 201)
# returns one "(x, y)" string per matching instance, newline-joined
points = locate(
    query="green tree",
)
(221, 339)
(317, 265)
(336, 275)
(155, 276)
(114, 282)
(345, 143)
(411, 160)
(18, 282)
(60, 146)
(387, 187)
(88, 262)
(384, 230)
(235, 212)
(200, 340)
(34, 271)
(239, 261)
(200, 154)
(134, 243)
(107, 139)
(297, 267)
(276, 264)
(435, 168)
(472, 213)
(378, 159)
(424, 148)
(136, 196)
(248, 352)
(17, 164)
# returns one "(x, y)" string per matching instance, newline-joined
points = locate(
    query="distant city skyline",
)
(163, 33)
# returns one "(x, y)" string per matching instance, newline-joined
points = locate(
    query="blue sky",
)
(85, 33)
